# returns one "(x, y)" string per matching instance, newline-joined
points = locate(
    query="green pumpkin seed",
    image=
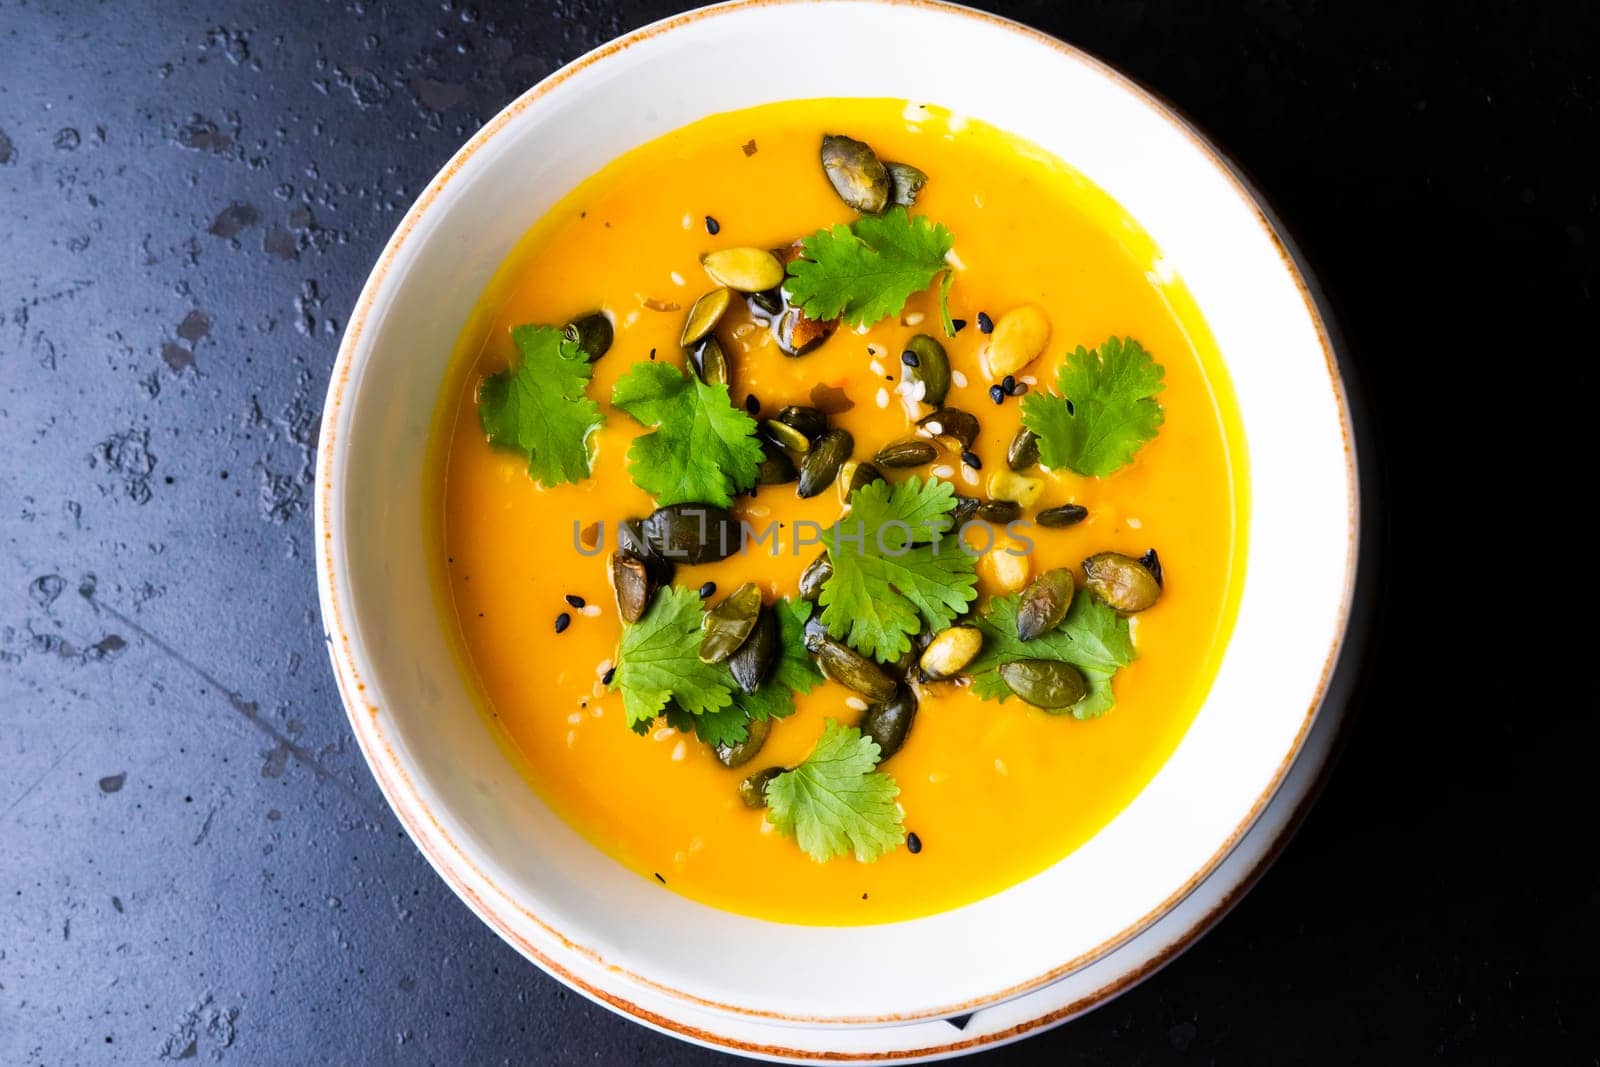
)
(888, 723)
(592, 333)
(905, 182)
(738, 755)
(821, 465)
(710, 363)
(931, 370)
(852, 670)
(1045, 683)
(855, 173)
(853, 476)
(948, 654)
(1023, 451)
(753, 790)
(725, 627)
(1064, 515)
(1020, 335)
(785, 436)
(811, 579)
(753, 661)
(1044, 603)
(769, 303)
(705, 315)
(635, 586)
(776, 466)
(692, 533)
(1000, 512)
(913, 453)
(1121, 582)
(960, 426)
(749, 270)
(1020, 488)
(813, 422)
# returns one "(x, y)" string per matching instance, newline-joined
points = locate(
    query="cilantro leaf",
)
(1104, 408)
(890, 572)
(794, 672)
(1093, 638)
(660, 661)
(540, 407)
(725, 726)
(703, 450)
(867, 270)
(835, 803)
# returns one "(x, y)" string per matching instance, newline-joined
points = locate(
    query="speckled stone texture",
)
(194, 862)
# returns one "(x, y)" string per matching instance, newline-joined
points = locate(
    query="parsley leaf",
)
(835, 803)
(540, 408)
(1104, 408)
(660, 661)
(702, 451)
(794, 672)
(885, 583)
(867, 270)
(1093, 638)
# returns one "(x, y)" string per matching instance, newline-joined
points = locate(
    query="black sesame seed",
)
(563, 621)
(652, 353)
(985, 323)
(971, 459)
(1009, 384)
(913, 843)
(605, 679)
(575, 600)
(909, 359)
(707, 590)
(997, 394)
(660, 879)
(713, 227)
(751, 404)
(959, 324)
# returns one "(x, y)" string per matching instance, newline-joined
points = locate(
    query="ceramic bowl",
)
(571, 909)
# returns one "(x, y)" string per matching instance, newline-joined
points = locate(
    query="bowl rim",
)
(453, 863)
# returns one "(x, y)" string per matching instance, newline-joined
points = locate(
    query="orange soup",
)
(1135, 447)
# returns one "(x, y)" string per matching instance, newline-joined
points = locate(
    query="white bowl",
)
(583, 917)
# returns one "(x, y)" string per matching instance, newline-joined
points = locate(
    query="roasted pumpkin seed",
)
(810, 421)
(592, 333)
(705, 315)
(776, 466)
(1009, 485)
(753, 661)
(888, 723)
(813, 577)
(851, 669)
(1152, 563)
(710, 363)
(725, 627)
(1062, 515)
(929, 368)
(800, 334)
(953, 423)
(634, 585)
(1000, 512)
(912, 453)
(966, 509)
(905, 182)
(753, 790)
(948, 654)
(1044, 603)
(821, 465)
(1045, 683)
(737, 755)
(769, 303)
(856, 173)
(1018, 339)
(1023, 451)
(749, 270)
(692, 533)
(1121, 582)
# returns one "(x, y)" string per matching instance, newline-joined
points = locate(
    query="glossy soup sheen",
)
(996, 792)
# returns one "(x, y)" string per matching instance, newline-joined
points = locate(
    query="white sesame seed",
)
(605, 665)
(766, 827)
(943, 470)
(1134, 524)
(677, 279)
(575, 718)
(877, 368)
(1028, 379)
(663, 733)
(589, 610)
(914, 319)
(1000, 766)
(629, 319)
(932, 429)
(679, 751)
(969, 475)
(883, 397)
(914, 113)
(688, 222)
(958, 379)
(855, 702)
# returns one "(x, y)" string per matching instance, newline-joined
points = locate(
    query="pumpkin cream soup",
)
(839, 509)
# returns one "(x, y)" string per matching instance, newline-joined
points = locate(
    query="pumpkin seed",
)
(752, 662)
(931, 369)
(1045, 683)
(785, 436)
(1000, 512)
(966, 509)
(634, 585)
(592, 333)
(960, 426)
(853, 476)
(1152, 563)
(816, 573)
(725, 627)
(950, 652)
(799, 333)
(1009, 485)
(888, 723)
(738, 755)
(822, 463)
(710, 362)
(749, 270)
(855, 173)
(1019, 337)
(692, 533)
(776, 466)
(1023, 451)
(810, 421)
(705, 315)
(1044, 603)
(1062, 515)
(912, 453)
(851, 669)
(1121, 582)
(753, 790)
(905, 182)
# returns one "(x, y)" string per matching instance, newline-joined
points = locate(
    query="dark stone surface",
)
(194, 861)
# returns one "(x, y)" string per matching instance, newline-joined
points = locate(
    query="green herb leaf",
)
(725, 726)
(867, 270)
(1103, 410)
(835, 803)
(1093, 638)
(703, 450)
(660, 661)
(540, 408)
(891, 573)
